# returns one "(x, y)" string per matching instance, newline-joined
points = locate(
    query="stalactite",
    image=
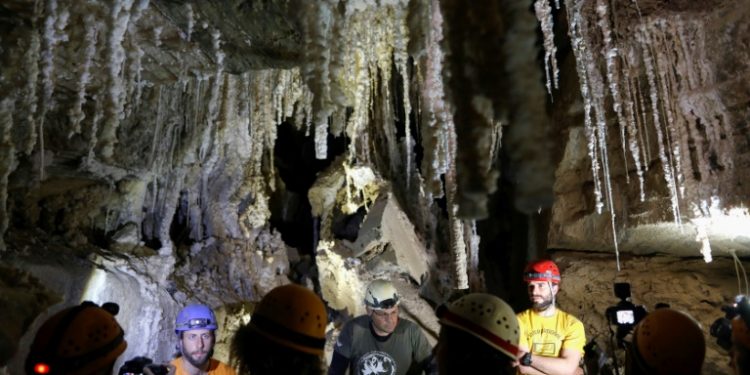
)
(476, 279)
(643, 121)
(543, 11)
(75, 113)
(54, 24)
(114, 109)
(593, 85)
(577, 42)
(134, 84)
(664, 67)
(98, 99)
(317, 70)
(456, 234)
(214, 98)
(649, 64)
(634, 135)
(31, 62)
(610, 53)
(401, 60)
(7, 163)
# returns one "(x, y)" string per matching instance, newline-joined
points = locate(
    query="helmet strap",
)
(553, 294)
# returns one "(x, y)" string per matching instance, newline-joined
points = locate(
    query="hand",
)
(517, 361)
(152, 369)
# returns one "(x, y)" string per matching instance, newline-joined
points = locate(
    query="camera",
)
(138, 366)
(721, 328)
(158, 369)
(625, 315)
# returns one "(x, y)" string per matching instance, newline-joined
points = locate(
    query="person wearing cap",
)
(666, 341)
(195, 327)
(286, 334)
(478, 332)
(551, 340)
(380, 342)
(81, 340)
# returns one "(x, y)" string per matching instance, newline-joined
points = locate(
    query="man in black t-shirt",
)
(380, 342)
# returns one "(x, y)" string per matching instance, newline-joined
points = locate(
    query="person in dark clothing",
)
(380, 342)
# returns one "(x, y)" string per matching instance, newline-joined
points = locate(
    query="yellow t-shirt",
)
(547, 336)
(214, 368)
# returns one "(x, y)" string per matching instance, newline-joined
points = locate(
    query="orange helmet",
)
(542, 270)
(78, 340)
(293, 316)
(668, 341)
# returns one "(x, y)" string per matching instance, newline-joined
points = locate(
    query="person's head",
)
(195, 327)
(286, 334)
(81, 340)
(381, 303)
(542, 279)
(740, 346)
(667, 341)
(478, 331)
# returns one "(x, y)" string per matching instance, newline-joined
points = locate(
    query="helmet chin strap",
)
(554, 301)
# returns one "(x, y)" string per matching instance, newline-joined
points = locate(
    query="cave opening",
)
(297, 167)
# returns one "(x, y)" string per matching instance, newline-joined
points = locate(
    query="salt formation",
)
(543, 12)
(115, 100)
(7, 161)
(76, 113)
(662, 94)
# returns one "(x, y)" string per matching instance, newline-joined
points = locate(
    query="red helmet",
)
(542, 270)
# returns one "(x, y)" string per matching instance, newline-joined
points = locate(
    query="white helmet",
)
(485, 317)
(381, 294)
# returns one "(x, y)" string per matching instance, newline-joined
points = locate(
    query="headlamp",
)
(196, 323)
(41, 368)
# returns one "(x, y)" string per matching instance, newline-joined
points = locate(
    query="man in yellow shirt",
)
(551, 340)
(195, 328)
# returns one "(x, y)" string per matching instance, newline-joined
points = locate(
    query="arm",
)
(422, 352)
(339, 364)
(342, 351)
(566, 363)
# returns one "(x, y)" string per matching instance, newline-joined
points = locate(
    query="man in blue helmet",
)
(195, 328)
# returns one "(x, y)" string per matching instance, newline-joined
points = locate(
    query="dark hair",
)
(461, 353)
(253, 353)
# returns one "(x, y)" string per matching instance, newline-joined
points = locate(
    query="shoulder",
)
(176, 362)
(220, 368)
(568, 316)
(362, 321)
(407, 327)
(569, 320)
(355, 327)
(524, 315)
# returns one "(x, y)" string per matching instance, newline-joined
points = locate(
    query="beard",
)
(542, 305)
(197, 359)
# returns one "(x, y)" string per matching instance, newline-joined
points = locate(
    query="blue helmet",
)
(195, 317)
